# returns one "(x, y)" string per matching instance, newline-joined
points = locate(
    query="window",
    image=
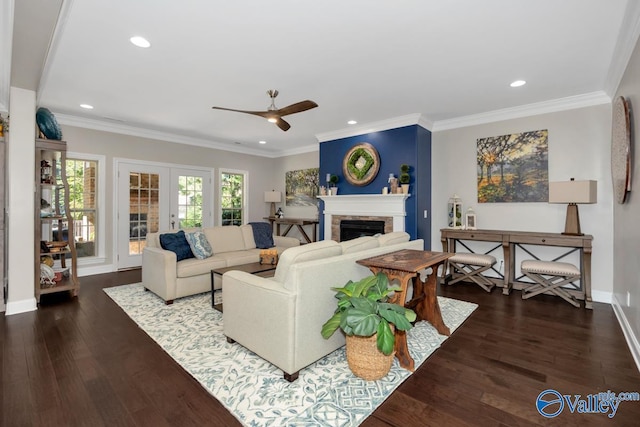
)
(190, 200)
(232, 201)
(81, 176)
(86, 204)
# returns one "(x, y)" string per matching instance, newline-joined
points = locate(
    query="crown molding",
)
(300, 150)
(382, 125)
(6, 45)
(552, 106)
(625, 44)
(83, 122)
(568, 103)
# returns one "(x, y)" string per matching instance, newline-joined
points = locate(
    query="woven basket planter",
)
(364, 358)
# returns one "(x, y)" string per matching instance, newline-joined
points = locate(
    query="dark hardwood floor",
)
(83, 362)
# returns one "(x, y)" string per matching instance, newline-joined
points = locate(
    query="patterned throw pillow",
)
(176, 242)
(199, 244)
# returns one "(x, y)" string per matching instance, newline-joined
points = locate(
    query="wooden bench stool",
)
(471, 267)
(549, 277)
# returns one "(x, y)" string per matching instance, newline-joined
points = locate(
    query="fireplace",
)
(353, 228)
(364, 207)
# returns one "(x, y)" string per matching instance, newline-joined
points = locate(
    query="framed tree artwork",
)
(302, 187)
(513, 168)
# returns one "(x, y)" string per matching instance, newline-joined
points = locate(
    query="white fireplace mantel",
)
(384, 205)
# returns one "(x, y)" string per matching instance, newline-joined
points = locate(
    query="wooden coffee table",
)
(262, 270)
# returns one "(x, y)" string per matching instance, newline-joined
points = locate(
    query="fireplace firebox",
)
(353, 228)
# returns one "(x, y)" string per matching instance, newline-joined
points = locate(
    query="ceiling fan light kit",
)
(273, 114)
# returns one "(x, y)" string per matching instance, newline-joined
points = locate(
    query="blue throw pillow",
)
(199, 244)
(262, 234)
(176, 242)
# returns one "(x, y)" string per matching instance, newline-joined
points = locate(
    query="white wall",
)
(283, 165)
(626, 234)
(261, 175)
(578, 147)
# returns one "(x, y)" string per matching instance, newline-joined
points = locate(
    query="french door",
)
(154, 198)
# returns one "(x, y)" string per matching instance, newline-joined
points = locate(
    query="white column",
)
(20, 204)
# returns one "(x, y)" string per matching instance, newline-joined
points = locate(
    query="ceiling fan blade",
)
(282, 124)
(275, 115)
(255, 113)
(297, 108)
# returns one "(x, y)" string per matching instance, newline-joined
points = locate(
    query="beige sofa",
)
(280, 318)
(232, 245)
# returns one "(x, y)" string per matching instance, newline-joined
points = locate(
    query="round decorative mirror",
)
(621, 149)
(361, 164)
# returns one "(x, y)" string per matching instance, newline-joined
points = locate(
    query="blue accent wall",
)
(410, 145)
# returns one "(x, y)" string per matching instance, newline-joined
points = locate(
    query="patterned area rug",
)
(254, 391)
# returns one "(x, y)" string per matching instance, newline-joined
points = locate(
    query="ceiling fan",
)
(273, 114)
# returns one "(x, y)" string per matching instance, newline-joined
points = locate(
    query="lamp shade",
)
(272, 196)
(573, 192)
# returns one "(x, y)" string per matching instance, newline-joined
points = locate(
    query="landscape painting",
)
(302, 187)
(513, 168)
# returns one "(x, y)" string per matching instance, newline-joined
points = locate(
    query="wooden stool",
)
(471, 266)
(549, 276)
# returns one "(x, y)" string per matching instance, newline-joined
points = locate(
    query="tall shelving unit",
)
(53, 222)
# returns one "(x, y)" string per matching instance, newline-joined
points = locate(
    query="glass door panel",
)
(139, 209)
(156, 198)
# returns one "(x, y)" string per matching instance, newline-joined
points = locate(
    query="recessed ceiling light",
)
(351, 122)
(140, 41)
(262, 142)
(86, 106)
(518, 83)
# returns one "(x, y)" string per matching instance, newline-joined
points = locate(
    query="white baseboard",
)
(602, 296)
(27, 305)
(98, 269)
(23, 306)
(632, 340)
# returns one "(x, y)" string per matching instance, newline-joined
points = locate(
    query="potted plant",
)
(404, 178)
(333, 180)
(368, 320)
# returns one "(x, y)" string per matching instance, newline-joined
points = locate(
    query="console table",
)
(298, 222)
(510, 240)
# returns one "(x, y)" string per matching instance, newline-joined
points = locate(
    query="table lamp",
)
(573, 192)
(272, 197)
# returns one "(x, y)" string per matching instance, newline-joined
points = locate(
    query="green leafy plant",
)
(404, 174)
(364, 310)
(333, 180)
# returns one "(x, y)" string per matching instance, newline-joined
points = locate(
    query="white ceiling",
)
(370, 61)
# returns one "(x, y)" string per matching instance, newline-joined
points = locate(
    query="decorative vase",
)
(393, 184)
(364, 358)
(405, 188)
(334, 191)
